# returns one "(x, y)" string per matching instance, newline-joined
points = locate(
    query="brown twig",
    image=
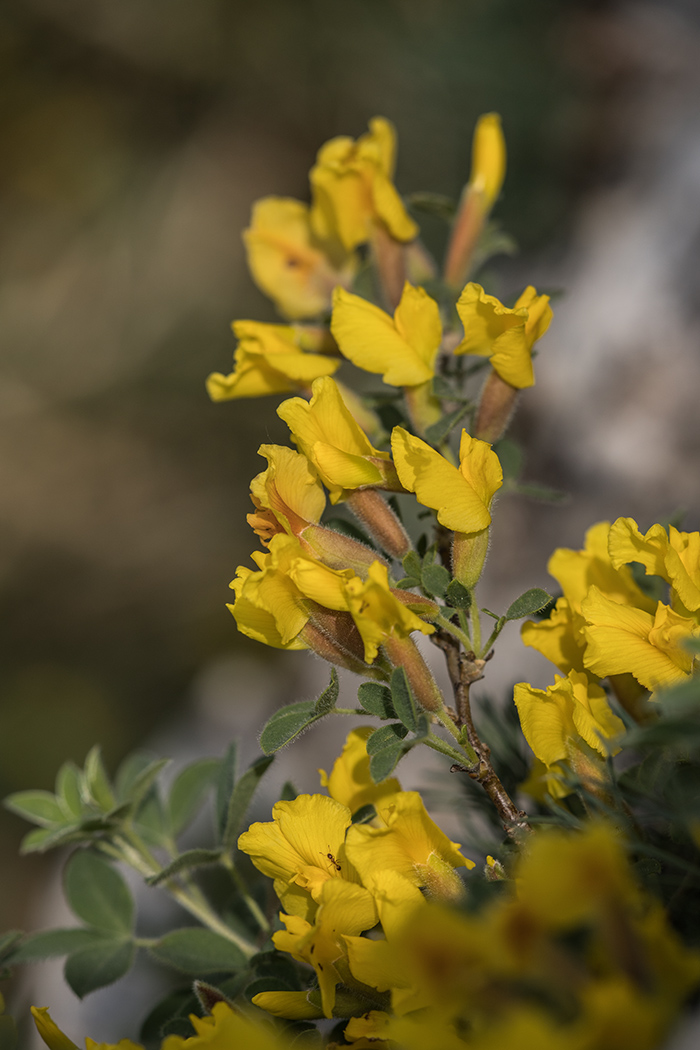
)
(464, 669)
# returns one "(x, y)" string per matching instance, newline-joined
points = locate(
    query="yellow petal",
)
(377, 613)
(289, 487)
(555, 638)
(402, 349)
(481, 467)
(484, 319)
(293, 1005)
(49, 1030)
(438, 484)
(284, 261)
(488, 159)
(545, 721)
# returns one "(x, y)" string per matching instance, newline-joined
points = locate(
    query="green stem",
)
(190, 897)
(500, 624)
(439, 745)
(452, 629)
(476, 627)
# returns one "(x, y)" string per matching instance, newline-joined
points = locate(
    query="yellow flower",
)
(301, 849)
(226, 1028)
(344, 909)
(273, 359)
(378, 614)
(403, 348)
(674, 556)
(289, 263)
(352, 188)
(349, 781)
(461, 496)
(555, 638)
(624, 639)
(488, 160)
(288, 495)
(268, 606)
(410, 843)
(56, 1040)
(505, 336)
(556, 720)
(332, 441)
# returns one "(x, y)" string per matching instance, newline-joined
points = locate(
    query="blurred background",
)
(135, 137)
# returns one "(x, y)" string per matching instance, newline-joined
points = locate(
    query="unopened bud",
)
(334, 637)
(403, 652)
(376, 514)
(495, 408)
(469, 550)
(337, 550)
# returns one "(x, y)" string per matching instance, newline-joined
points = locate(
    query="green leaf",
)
(192, 858)
(151, 819)
(437, 433)
(376, 699)
(528, 603)
(384, 762)
(50, 943)
(129, 770)
(68, 789)
(288, 792)
(364, 814)
(43, 839)
(407, 583)
(457, 595)
(99, 964)
(286, 725)
(95, 781)
(412, 565)
(224, 788)
(435, 579)
(40, 807)
(242, 797)
(145, 780)
(195, 950)
(386, 736)
(407, 710)
(8, 941)
(188, 791)
(176, 1005)
(274, 964)
(98, 894)
(329, 697)
(511, 458)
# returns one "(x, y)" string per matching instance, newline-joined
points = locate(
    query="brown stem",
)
(463, 669)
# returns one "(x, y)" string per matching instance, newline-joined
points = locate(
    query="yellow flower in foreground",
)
(555, 638)
(555, 721)
(345, 909)
(461, 496)
(377, 613)
(402, 349)
(333, 442)
(505, 336)
(268, 606)
(225, 1029)
(273, 359)
(624, 639)
(410, 843)
(674, 556)
(56, 1040)
(288, 262)
(352, 188)
(301, 849)
(349, 781)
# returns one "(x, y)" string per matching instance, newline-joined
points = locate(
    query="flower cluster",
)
(606, 625)
(572, 937)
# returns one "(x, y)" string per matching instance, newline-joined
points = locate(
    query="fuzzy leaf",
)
(224, 788)
(188, 791)
(98, 894)
(40, 807)
(99, 964)
(386, 736)
(376, 699)
(286, 724)
(329, 697)
(68, 789)
(458, 596)
(435, 579)
(195, 950)
(407, 710)
(96, 782)
(48, 944)
(528, 603)
(191, 858)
